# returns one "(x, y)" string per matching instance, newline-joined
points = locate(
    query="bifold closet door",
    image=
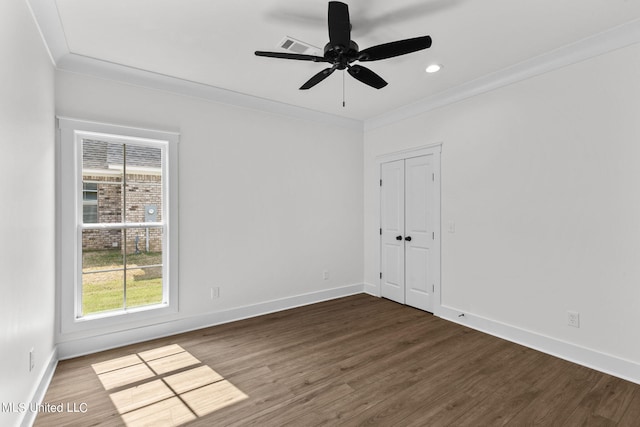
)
(408, 231)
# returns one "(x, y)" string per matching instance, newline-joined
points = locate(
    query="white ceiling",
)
(212, 42)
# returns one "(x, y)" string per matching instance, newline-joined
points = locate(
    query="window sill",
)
(118, 320)
(115, 313)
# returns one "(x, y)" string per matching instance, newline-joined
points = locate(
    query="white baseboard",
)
(593, 359)
(372, 290)
(29, 417)
(82, 346)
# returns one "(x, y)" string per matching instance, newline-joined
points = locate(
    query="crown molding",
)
(598, 44)
(45, 13)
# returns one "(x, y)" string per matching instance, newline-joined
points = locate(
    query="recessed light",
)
(433, 68)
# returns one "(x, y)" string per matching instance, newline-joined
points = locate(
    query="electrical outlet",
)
(325, 275)
(573, 319)
(32, 360)
(215, 292)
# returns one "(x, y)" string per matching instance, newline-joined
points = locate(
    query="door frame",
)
(431, 149)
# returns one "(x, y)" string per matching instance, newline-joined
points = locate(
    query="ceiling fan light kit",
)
(341, 52)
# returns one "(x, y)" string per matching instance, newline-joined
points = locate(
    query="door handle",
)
(398, 237)
(408, 238)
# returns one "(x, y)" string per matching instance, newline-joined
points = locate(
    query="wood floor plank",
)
(632, 412)
(352, 361)
(605, 402)
(559, 398)
(498, 408)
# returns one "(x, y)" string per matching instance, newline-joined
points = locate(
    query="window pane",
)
(144, 266)
(103, 258)
(102, 271)
(101, 240)
(145, 288)
(144, 184)
(102, 292)
(102, 165)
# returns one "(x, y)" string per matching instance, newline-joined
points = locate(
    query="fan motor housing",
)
(341, 56)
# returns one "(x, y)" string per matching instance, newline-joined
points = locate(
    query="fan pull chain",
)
(343, 102)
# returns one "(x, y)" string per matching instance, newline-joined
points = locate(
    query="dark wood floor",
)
(352, 361)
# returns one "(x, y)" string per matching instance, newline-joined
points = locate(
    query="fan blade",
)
(339, 24)
(318, 78)
(366, 76)
(285, 55)
(397, 48)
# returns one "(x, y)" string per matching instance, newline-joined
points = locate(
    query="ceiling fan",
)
(341, 52)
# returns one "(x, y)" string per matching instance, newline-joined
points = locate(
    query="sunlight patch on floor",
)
(125, 376)
(172, 387)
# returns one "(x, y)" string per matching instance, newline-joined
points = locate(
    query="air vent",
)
(296, 46)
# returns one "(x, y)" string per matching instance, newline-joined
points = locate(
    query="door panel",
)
(417, 276)
(419, 225)
(392, 225)
(393, 268)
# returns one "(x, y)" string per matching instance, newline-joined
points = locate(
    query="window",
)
(118, 215)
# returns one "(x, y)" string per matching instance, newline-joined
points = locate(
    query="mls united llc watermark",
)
(68, 407)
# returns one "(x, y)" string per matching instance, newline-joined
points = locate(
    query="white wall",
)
(542, 180)
(27, 228)
(267, 202)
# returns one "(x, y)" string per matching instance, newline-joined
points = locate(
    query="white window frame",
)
(70, 213)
